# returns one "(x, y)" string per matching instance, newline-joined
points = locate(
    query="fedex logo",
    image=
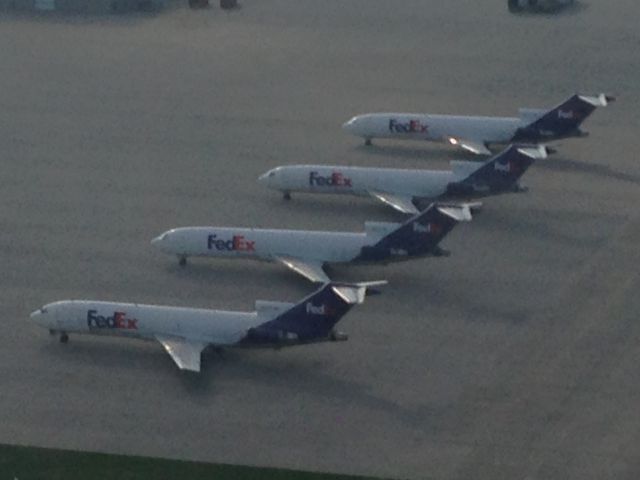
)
(117, 320)
(412, 126)
(317, 310)
(429, 228)
(506, 168)
(237, 243)
(566, 115)
(336, 179)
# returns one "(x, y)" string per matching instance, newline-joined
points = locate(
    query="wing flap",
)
(402, 204)
(310, 270)
(185, 353)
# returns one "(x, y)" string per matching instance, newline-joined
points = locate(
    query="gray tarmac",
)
(515, 358)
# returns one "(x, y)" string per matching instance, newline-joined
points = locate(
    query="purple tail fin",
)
(563, 120)
(501, 173)
(418, 236)
(313, 318)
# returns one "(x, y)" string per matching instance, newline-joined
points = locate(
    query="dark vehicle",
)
(544, 6)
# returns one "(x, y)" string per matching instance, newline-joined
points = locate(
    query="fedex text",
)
(428, 228)
(317, 310)
(118, 320)
(412, 126)
(236, 243)
(336, 179)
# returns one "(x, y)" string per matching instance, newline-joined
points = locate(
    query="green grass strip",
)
(29, 463)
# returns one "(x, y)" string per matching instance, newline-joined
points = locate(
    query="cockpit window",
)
(272, 173)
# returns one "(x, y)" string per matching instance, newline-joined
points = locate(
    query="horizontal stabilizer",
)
(535, 151)
(460, 212)
(354, 293)
(601, 100)
(471, 206)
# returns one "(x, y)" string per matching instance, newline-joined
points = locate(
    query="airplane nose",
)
(39, 316)
(160, 240)
(350, 126)
(270, 179)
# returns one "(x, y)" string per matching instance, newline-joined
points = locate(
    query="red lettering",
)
(242, 245)
(118, 319)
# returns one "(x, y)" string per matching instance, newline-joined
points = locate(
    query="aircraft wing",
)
(402, 204)
(185, 353)
(479, 148)
(309, 269)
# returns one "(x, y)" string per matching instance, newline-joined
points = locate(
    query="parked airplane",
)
(404, 189)
(186, 332)
(475, 134)
(306, 252)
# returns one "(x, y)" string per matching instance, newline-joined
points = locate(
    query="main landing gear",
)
(286, 195)
(337, 336)
(182, 261)
(367, 142)
(519, 188)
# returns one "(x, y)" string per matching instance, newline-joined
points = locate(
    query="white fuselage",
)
(364, 181)
(439, 128)
(216, 327)
(263, 244)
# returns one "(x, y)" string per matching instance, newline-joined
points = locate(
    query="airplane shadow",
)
(80, 19)
(567, 165)
(234, 272)
(435, 152)
(306, 376)
(469, 303)
(271, 369)
(540, 225)
(366, 208)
